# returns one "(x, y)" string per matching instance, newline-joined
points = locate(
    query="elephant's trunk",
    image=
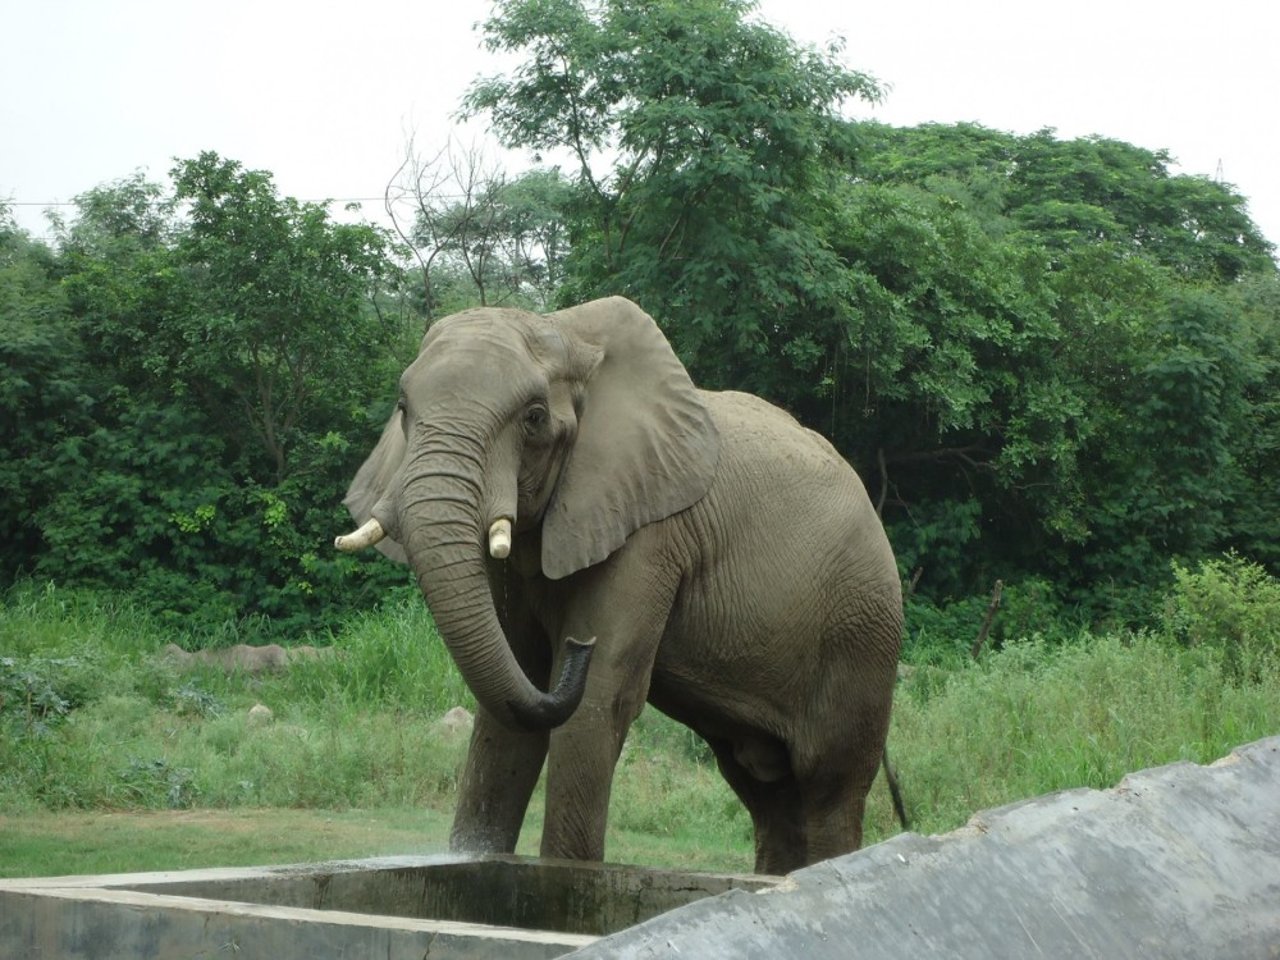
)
(445, 540)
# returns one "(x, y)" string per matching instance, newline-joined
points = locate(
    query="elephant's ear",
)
(373, 481)
(646, 446)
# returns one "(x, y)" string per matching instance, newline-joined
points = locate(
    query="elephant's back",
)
(760, 440)
(788, 570)
(783, 489)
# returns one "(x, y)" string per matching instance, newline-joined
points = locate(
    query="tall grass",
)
(92, 717)
(1034, 718)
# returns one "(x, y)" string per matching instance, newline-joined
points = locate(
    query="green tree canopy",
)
(1067, 192)
(702, 140)
(1051, 359)
(44, 382)
(200, 364)
(1047, 357)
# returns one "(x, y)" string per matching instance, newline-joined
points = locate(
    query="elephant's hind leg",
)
(833, 812)
(775, 808)
(835, 775)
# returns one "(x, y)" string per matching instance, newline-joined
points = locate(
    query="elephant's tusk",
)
(368, 534)
(500, 539)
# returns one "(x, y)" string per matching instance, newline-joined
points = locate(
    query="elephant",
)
(574, 508)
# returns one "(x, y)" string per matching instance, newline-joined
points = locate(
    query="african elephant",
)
(558, 477)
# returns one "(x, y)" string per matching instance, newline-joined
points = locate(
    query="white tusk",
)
(500, 539)
(368, 534)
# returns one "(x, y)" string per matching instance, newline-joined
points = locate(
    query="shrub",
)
(1228, 605)
(943, 634)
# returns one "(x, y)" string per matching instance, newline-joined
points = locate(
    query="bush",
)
(1228, 605)
(942, 634)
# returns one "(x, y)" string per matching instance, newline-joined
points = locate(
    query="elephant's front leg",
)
(624, 604)
(580, 769)
(503, 765)
(501, 770)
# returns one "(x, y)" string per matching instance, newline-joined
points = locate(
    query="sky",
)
(327, 96)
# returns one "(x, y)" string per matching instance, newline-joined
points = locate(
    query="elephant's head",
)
(581, 426)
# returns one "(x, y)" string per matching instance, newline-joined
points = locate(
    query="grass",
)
(1032, 719)
(56, 843)
(59, 843)
(111, 760)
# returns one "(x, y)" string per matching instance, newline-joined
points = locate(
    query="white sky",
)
(324, 95)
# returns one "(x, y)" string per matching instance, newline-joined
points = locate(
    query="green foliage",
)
(196, 392)
(1052, 361)
(1255, 444)
(32, 695)
(661, 791)
(189, 700)
(943, 634)
(1031, 716)
(156, 783)
(1127, 421)
(481, 238)
(1048, 358)
(1230, 606)
(99, 718)
(391, 657)
(1068, 193)
(724, 135)
(281, 324)
(43, 384)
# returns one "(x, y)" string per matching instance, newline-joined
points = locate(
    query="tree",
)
(1006, 334)
(1066, 192)
(234, 349)
(279, 325)
(1068, 382)
(44, 385)
(480, 236)
(702, 142)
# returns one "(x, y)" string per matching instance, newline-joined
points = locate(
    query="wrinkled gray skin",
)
(726, 560)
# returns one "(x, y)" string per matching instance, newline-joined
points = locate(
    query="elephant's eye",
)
(535, 417)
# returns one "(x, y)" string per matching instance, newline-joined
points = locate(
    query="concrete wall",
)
(1179, 861)
(393, 908)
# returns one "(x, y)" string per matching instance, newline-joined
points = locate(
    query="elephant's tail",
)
(895, 791)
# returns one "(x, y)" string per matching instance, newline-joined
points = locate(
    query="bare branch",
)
(976, 649)
(962, 454)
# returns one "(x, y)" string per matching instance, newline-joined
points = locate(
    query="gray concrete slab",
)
(390, 907)
(1178, 861)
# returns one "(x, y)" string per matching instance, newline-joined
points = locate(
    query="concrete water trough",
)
(389, 907)
(1179, 861)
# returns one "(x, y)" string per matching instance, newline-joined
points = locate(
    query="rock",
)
(175, 655)
(455, 724)
(260, 714)
(253, 660)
